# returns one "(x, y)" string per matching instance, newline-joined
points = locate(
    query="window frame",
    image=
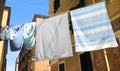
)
(63, 62)
(56, 5)
(85, 59)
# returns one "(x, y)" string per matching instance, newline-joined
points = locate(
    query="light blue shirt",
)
(28, 34)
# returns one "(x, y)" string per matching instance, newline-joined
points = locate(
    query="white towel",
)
(53, 38)
(92, 28)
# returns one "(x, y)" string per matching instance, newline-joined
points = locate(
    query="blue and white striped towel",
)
(92, 28)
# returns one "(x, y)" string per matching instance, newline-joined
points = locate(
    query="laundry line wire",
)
(30, 5)
(34, 6)
(43, 9)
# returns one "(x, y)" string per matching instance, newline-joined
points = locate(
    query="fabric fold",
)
(3, 31)
(28, 34)
(53, 38)
(15, 35)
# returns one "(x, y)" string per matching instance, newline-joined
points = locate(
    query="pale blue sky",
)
(22, 11)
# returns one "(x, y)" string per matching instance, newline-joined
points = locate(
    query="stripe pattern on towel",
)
(92, 28)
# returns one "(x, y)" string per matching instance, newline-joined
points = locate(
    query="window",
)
(56, 5)
(108, 0)
(61, 67)
(82, 3)
(86, 63)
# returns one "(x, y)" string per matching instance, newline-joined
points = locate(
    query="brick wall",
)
(113, 54)
(98, 60)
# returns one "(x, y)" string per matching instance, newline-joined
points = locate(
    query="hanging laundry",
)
(92, 28)
(53, 38)
(8, 35)
(28, 34)
(3, 31)
(15, 35)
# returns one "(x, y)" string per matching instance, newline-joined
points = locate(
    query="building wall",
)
(113, 9)
(114, 53)
(17, 64)
(3, 44)
(102, 60)
(1, 9)
(65, 5)
(42, 66)
(71, 63)
(1, 52)
(25, 60)
(22, 60)
(31, 60)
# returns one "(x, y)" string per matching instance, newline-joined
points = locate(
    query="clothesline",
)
(43, 9)
(91, 26)
(30, 5)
